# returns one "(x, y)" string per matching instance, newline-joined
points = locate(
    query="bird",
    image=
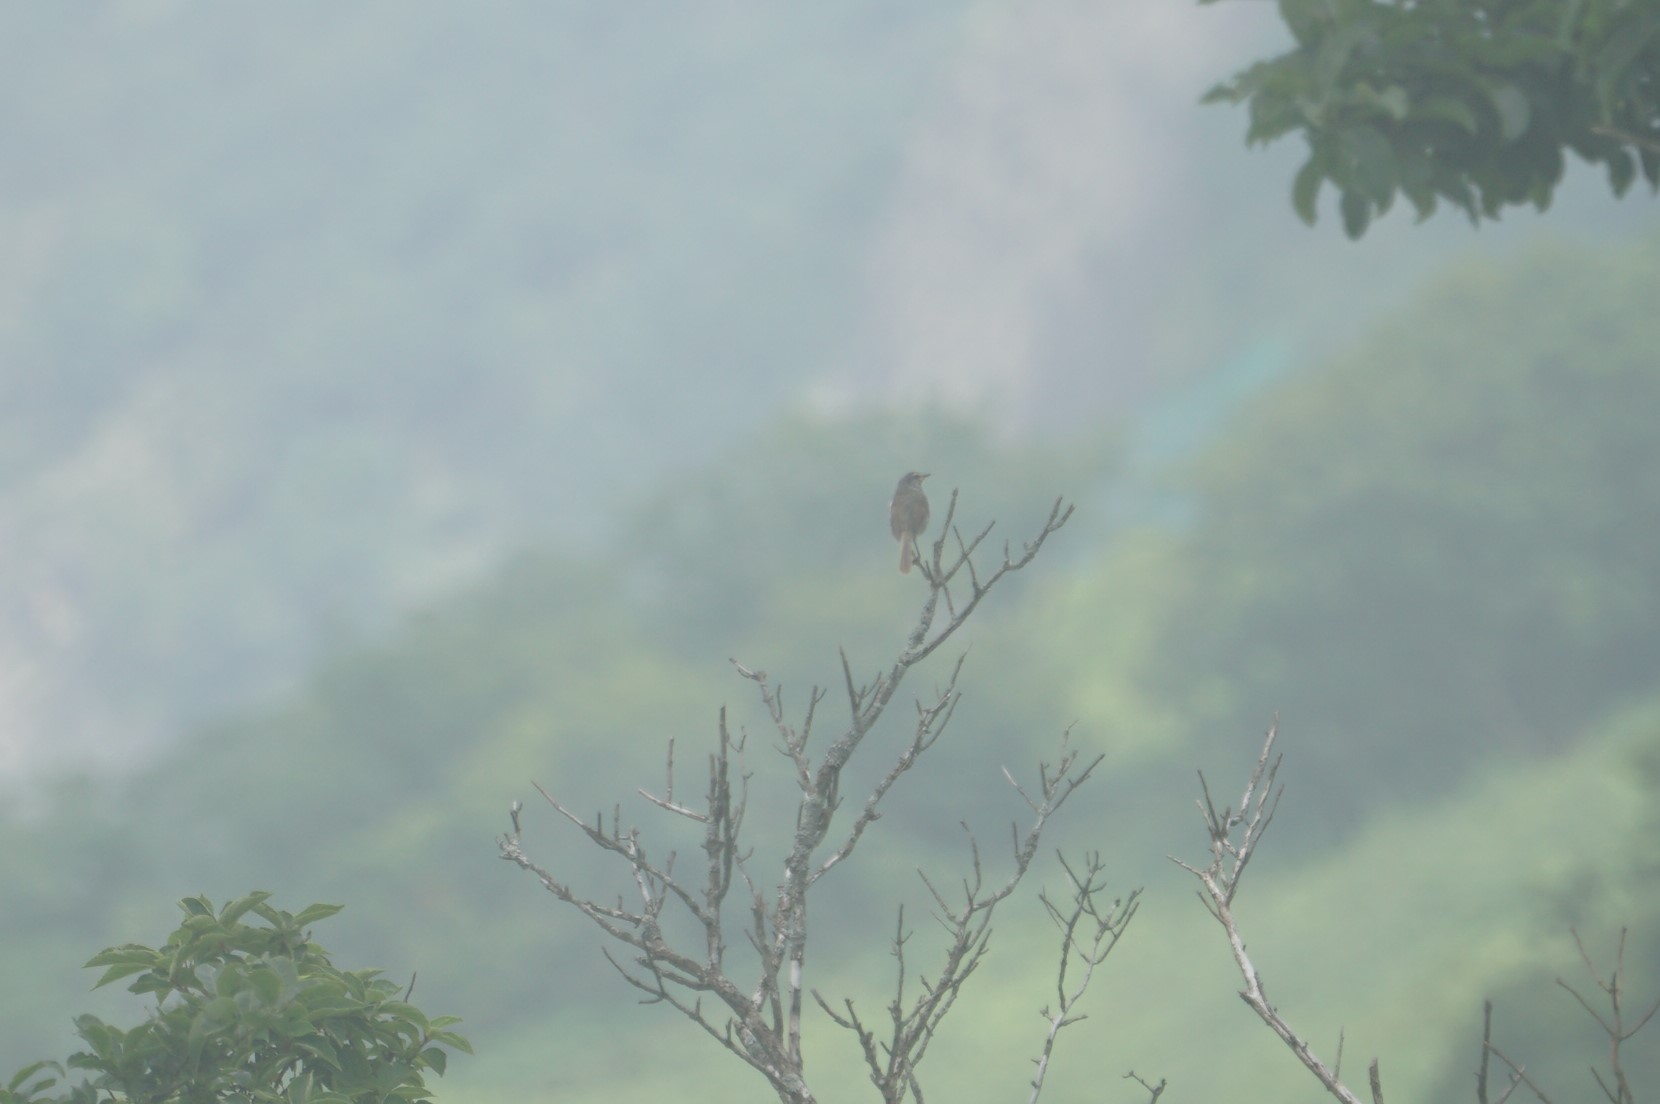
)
(908, 517)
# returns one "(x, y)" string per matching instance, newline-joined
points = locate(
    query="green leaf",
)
(390, 1075)
(198, 927)
(1305, 189)
(1447, 109)
(126, 953)
(1334, 54)
(1393, 100)
(1650, 159)
(452, 1040)
(332, 1008)
(231, 980)
(217, 1014)
(123, 962)
(197, 906)
(22, 1075)
(1371, 161)
(1621, 49)
(319, 1047)
(407, 1012)
(1357, 212)
(151, 983)
(1622, 170)
(234, 911)
(1417, 181)
(1226, 92)
(103, 1043)
(1514, 114)
(313, 913)
(266, 984)
(436, 1059)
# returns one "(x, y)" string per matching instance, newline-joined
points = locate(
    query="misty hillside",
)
(312, 318)
(400, 404)
(1436, 569)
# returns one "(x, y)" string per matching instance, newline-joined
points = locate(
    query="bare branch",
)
(761, 1021)
(1108, 926)
(1220, 880)
(1486, 1045)
(1626, 137)
(1615, 1087)
(666, 802)
(1154, 1091)
(931, 722)
(1518, 1076)
(966, 922)
(940, 577)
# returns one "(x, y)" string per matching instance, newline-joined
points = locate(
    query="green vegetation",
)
(311, 318)
(247, 1012)
(1433, 557)
(1437, 551)
(1475, 102)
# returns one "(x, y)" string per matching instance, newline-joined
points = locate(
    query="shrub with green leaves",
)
(248, 1012)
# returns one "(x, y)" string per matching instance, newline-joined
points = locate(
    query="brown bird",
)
(908, 517)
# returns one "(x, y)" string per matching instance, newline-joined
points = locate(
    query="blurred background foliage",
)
(398, 405)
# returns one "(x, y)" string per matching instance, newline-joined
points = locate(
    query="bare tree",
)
(679, 929)
(1234, 837)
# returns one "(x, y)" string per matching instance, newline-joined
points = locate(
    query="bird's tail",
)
(907, 553)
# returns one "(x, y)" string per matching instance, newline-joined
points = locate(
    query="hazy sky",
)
(310, 313)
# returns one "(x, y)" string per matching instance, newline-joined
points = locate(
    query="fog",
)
(564, 349)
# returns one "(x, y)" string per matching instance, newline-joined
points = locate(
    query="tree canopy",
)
(1474, 102)
(251, 1012)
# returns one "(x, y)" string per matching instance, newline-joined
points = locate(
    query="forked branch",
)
(965, 916)
(1089, 932)
(1234, 835)
(1614, 1023)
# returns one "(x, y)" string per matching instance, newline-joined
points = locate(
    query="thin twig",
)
(1104, 928)
(1154, 1091)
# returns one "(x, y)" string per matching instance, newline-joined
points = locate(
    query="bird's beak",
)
(922, 475)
